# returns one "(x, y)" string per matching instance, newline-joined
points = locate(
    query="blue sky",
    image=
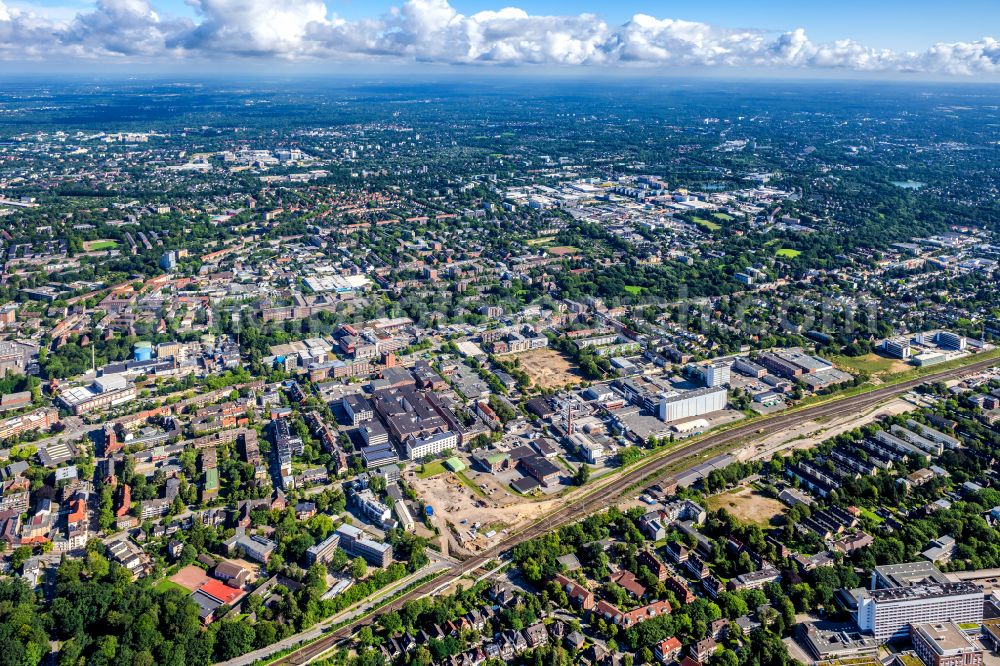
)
(894, 38)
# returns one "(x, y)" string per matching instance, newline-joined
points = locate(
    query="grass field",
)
(562, 250)
(788, 253)
(633, 290)
(98, 245)
(871, 364)
(747, 505)
(872, 517)
(706, 224)
(541, 240)
(166, 585)
(723, 217)
(431, 469)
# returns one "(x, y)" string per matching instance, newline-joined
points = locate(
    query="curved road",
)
(646, 474)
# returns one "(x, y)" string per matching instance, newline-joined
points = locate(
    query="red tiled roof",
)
(221, 592)
(628, 581)
(647, 612)
(670, 644)
(78, 511)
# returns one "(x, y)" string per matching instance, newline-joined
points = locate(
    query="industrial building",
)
(105, 391)
(692, 403)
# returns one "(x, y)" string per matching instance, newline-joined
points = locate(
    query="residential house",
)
(667, 651)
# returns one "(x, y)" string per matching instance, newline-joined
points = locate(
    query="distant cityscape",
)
(487, 374)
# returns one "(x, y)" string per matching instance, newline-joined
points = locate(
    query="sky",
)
(845, 38)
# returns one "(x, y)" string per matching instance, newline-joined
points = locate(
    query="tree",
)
(391, 623)
(366, 637)
(97, 565)
(233, 639)
(316, 577)
(339, 559)
(19, 557)
(582, 475)
(725, 657)
(732, 605)
(359, 569)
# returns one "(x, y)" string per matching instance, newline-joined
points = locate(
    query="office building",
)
(355, 543)
(888, 612)
(949, 340)
(897, 347)
(944, 644)
(374, 433)
(378, 455)
(323, 552)
(716, 374)
(419, 447)
(358, 409)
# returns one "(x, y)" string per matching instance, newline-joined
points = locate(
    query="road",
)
(602, 497)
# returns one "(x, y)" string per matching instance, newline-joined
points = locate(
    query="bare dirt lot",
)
(492, 506)
(190, 577)
(748, 505)
(811, 433)
(547, 368)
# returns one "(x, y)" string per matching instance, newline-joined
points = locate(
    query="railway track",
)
(646, 474)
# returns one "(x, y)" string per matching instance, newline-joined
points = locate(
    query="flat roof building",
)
(906, 574)
(354, 542)
(323, 551)
(692, 403)
(888, 612)
(944, 644)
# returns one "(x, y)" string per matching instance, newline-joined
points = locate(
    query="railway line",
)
(646, 474)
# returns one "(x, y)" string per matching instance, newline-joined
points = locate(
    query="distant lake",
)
(908, 184)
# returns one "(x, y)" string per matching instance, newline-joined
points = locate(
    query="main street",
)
(685, 455)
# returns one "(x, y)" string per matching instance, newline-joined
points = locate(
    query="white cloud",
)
(248, 27)
(433, 31)
(118, 28)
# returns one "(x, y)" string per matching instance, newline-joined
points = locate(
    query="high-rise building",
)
(716, 374)
(915, 593)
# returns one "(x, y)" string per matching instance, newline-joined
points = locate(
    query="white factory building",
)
(675, 406)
